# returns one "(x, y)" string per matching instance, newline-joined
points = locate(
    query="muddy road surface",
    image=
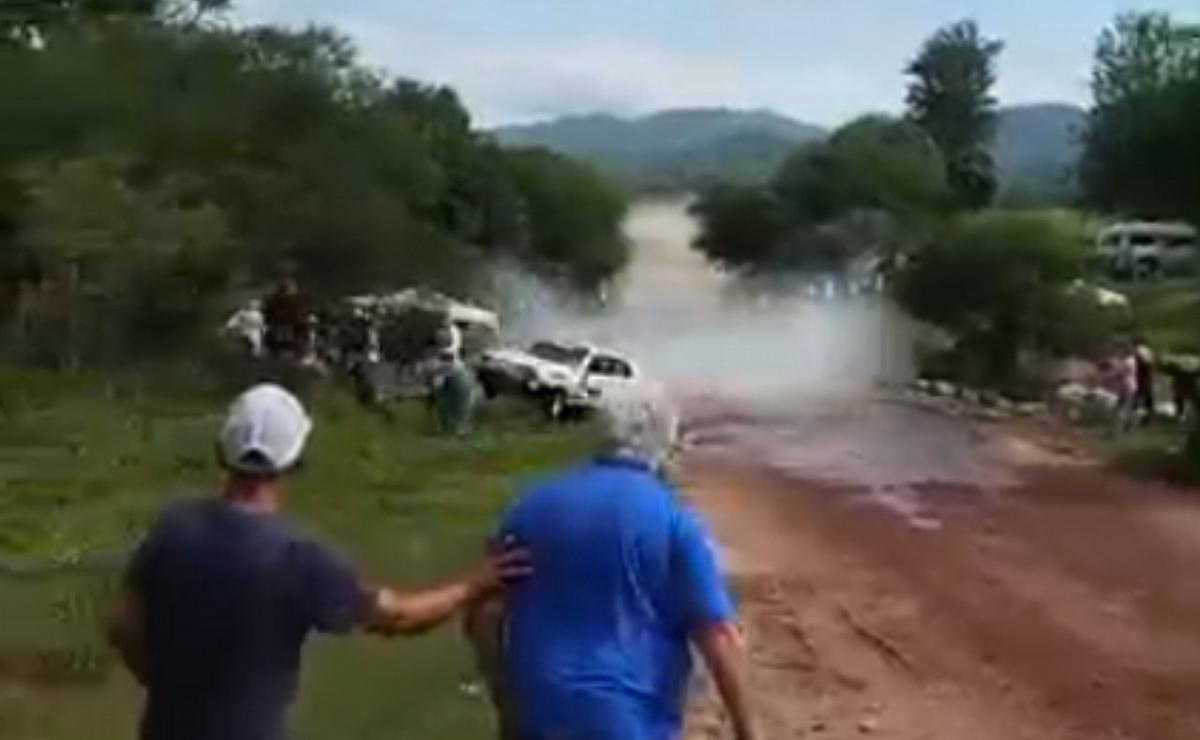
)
(905, 572)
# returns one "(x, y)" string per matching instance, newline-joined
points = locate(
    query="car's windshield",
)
(558, 353)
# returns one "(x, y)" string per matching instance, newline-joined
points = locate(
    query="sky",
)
(821, 61)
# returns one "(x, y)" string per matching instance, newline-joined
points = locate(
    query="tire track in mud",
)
(1052, 601)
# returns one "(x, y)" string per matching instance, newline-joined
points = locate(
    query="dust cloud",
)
(698, 331)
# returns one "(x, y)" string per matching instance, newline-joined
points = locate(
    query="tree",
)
(873, 163)
(574, 216)
(33, 22)
(137, 270)
(275, 147)
(480, 204)
(998, 282)
(950, 97)
(1143, 54)
(741, 225)
(1146, 85)
(867, 187)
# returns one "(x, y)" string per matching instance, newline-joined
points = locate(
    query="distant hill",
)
(674, 148)
(686, 148)
(1037, 147)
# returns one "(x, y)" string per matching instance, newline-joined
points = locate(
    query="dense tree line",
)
(154, 160)
(997, 280)
(1141, 143)
(811, 215)
(903, 173)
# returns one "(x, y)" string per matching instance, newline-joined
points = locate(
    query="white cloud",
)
(504, 81)
(825, 62)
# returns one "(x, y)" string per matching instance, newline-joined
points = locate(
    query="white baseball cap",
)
(265, 431)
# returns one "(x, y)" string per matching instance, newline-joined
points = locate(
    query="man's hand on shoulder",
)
(394, 612)
(501, 567)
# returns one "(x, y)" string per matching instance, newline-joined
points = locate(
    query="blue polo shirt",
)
(598, 638)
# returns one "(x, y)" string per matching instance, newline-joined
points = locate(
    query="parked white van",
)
(1148, 248)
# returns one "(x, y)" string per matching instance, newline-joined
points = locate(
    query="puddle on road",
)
(885, 451)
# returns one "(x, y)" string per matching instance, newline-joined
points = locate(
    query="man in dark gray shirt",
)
(222, 594)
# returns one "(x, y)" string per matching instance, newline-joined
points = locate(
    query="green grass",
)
(1151, 453)
(1168, 313)
(84, 466)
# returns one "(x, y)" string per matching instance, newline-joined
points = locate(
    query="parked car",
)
(566, 377)
(1147, 249)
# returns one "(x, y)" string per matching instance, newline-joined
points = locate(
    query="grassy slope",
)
(1169, 312)
(79, 469)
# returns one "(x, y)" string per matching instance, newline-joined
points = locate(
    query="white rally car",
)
(566, 377)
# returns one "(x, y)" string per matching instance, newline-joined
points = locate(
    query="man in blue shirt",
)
(222, 593)
(596, 645)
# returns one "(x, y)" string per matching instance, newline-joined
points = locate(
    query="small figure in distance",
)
(221, 595)
(286, 313)
(1144, 369)
(247, 328)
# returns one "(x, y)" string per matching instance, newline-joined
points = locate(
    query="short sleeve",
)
(331, 597)
(136, 570)
(696, 575)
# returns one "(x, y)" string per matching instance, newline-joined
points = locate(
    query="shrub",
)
(998, 282)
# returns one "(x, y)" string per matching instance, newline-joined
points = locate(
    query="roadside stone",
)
(944, 388)
(991, 414)
(868, 726)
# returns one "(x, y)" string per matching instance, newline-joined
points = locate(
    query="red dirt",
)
(1058, 601)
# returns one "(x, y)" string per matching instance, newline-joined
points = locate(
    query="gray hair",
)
(640, 424)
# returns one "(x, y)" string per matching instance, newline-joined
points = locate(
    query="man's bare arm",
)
(719, 646)
(398, 613)
(125, 629)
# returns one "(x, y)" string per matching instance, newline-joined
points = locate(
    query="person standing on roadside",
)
(247, 327)
(221, 595)
(1185, 390)
(1124, 373)
(286, 313)
(1143, 358)
(597, 644)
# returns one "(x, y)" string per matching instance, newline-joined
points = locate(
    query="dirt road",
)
(905, 573)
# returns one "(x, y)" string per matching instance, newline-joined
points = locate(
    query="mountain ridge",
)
(1036, 145)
